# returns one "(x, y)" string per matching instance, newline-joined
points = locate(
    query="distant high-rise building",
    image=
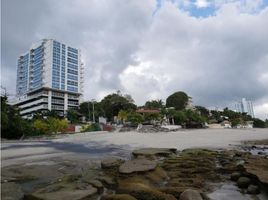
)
(245, 106)
(49, 77)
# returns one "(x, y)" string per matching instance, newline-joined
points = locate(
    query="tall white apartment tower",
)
(49, 77)
(245, 106)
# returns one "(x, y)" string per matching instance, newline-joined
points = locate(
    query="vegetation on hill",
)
(123, 107)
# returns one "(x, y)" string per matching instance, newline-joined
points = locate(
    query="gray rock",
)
(137, 165)
(112, 162)
(164, 152)
(235, 176)
(253, 189)
(243, 182)
(11, 191)
(191, 195)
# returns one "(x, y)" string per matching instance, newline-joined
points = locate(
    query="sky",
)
(216, 51)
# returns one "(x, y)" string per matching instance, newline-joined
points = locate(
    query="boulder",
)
(11, 191)
(253, 189)
(258, 166)
(66, 194)
(243, 182)
(235, 176)
(118, 197)
(112, 162)
(142, 191)
(148, 152)
(108, 181)
(97, 184)
(190, 194)
(175, 191)
(137, 165)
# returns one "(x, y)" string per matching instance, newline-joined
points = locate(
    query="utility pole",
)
(88, 111)
(93, 114)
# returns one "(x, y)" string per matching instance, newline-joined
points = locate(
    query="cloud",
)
(150, 49)
(201, 3)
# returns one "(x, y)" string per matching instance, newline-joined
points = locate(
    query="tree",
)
(152, 116)
(258, 123)
(180, 117)
(194, 117)
(135, 118)
(73, 115)
(129, 98)
(236, 121)
(113, 103)
(13, 126)
(178, 100)
(86, 109)
(154, 104)
(203, 111)
(122, 115)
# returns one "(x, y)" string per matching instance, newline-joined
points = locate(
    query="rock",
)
(66, 194)
(96, 183)
(11, 191)
(162, 152)
(190, 194)
(142, 191)
(108, 181)
(118, 197)
(112, 162)
(137, 165)
(235, 176)
(175, 191)
(156, 176)
(253, 189)
(243, 182)
(258, 166)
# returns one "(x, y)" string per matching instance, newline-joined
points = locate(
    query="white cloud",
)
(261, 111)
(217, 60)
(202, 3)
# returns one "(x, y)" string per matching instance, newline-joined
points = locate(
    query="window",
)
(73, 50)
(72, 66)
(72, 83)
(72, 72)
(72, 77)
(72, 89)
(72, 60)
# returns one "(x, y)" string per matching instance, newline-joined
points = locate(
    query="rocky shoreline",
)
(151, 174)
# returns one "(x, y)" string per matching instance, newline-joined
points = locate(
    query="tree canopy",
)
(113, 103)
(154, 104)
(178, 100)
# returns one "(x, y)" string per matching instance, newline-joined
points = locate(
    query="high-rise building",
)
(49, 77)
(245, 106)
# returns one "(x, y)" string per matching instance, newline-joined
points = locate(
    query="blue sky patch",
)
(207, 9)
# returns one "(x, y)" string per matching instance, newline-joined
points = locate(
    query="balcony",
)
(37, 102)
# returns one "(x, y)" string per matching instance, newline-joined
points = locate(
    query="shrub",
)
(50, 125)
(180, 117)
(135, 118)
(40, 126)
(91, 127)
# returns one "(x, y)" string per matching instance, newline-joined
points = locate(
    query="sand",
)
(99, 144)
